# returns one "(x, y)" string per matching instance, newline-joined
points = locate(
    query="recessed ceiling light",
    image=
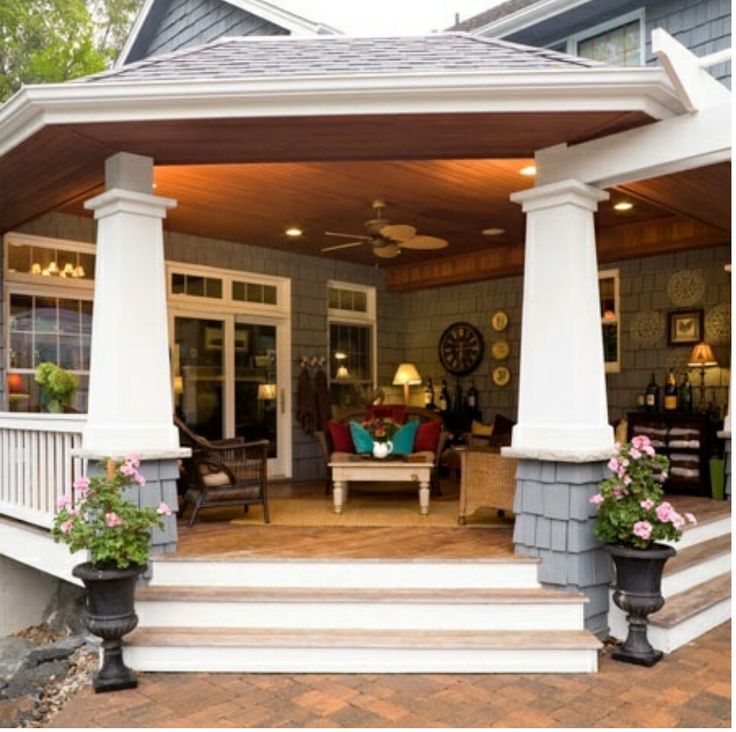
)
(493, 232)
(529, 170)
(623, 206)
(293, 232)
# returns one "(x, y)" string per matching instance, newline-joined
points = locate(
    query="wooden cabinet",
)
(686, 440)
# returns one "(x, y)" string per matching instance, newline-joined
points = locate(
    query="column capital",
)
(118, 200)
(564, 192)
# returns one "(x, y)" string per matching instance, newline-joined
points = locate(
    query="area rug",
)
(372, 510)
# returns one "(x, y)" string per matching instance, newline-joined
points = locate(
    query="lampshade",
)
(266, 392)
(702, 355)
(342, 372)
(178, 385)
(407, 374)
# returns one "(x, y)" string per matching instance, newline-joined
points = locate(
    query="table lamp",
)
(702, 357)
(406, 376)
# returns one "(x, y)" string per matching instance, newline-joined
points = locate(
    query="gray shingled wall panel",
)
(554, 523)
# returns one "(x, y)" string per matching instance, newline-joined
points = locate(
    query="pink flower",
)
(677, 521)
(634, 453)
(66, 526)
(613, 465)
(134, 459)
(616, 446)
(81, 484)
(664, 511)
(597, 499)
(163, 509)
(649, 450)
(619, 492)
(74, 511)
(691, 518)
(643, 529)
(62, 501)
(112, 520)
(640, 442)
(140, 479)
(627, 480)
(647, 504)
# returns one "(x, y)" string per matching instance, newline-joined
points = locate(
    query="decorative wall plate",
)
(718, 324)
(501, 376)
(500, 350)
(647, 328)
(461, 348)
(499, 321)
(686, 288)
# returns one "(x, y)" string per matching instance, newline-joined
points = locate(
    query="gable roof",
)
(513, 15)
(268, 56)
(290, 22)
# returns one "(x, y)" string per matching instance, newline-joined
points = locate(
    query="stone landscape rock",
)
(65, 609)
(13, 653)
(57, 651)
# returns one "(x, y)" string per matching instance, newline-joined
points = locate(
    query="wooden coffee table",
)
(369, 470)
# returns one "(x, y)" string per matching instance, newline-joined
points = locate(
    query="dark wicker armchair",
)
(224, 473)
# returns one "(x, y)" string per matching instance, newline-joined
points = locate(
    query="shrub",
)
(58, 386)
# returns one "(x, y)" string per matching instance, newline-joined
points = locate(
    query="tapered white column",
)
(562, 389)
(130, 401)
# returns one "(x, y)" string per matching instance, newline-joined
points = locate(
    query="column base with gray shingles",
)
(554, 522)
(161, 476)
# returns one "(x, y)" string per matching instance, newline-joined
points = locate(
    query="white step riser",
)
(704, 532)
(363, 615)
(670, 639)
(695, 575)
(358, 660)
(407, 575)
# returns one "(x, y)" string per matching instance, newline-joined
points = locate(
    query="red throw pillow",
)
(342, 440)
(394, 412)
(428, 436)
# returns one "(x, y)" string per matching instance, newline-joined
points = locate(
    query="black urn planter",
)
(110, 614)
(639, 594)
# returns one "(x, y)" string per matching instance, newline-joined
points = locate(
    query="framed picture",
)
(685, 327)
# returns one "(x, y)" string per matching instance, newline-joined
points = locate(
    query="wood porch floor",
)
(214, 536)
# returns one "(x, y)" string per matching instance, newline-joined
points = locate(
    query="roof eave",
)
(640, 89)
(514, 22)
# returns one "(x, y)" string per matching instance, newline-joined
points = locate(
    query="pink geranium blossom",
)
(163, 509)
(81, 485)
(113, 520)
(642, 529)
(63, 501)
(597, 499)
(647, 504)
(691, 518)
(676, 519)
(634, 453)
(664, 511)
(613, 465)
(66, 526)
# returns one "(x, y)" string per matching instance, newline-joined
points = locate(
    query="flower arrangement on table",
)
(631, 511)
(97, 517)
(381, 429)
(58, 386)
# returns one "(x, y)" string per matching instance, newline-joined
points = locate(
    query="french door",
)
(231, 378)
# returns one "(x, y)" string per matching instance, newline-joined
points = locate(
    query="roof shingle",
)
(231, 58)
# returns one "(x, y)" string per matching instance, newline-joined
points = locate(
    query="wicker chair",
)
(488, 480)
(224, 473)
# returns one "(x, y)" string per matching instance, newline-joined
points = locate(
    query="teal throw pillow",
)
(361, 438)
(404, 438)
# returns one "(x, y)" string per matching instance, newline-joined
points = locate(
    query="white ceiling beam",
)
(672, 145)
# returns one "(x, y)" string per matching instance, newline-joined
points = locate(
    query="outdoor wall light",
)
(623, 206)
(293, 232)
(529, 170)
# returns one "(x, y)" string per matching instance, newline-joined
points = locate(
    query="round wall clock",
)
(499, 321)
(461, 348)
(500, 350)
(501, 376)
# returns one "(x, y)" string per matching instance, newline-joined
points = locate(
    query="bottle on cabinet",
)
(429, 395)
(651, 395)
(670, 392)
(472, 398)
(444, 401)
(685, 396)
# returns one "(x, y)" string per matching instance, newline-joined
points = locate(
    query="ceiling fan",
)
(386, 239)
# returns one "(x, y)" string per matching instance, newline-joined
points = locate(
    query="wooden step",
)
(360, 651)
(688, 604)
(693, 555)
(464, 596)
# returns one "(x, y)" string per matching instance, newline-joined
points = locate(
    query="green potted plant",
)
(633, 519)
(58, 386)
(117, 534)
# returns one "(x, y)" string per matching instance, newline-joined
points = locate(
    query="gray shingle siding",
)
(186, 23)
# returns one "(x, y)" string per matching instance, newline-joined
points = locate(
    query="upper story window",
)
(619, 42)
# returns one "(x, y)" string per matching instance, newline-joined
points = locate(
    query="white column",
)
(130, 401)
(562, 389)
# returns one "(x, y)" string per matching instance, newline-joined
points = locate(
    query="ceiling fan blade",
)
(343, 246)
(387, 252)
(424, 242)
(346, 236)
(398, 232)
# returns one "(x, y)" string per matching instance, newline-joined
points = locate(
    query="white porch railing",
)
(36, 463)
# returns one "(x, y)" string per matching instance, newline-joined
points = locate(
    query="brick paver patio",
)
(689, 688)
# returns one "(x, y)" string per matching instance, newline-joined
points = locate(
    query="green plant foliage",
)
(58, 386)
(630, 506)
(96, 517)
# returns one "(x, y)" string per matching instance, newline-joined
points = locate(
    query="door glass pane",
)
(199, 362)
(256, 393)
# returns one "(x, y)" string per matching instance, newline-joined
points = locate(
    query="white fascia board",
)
(644, 90)
(669, 146)
(514, 22)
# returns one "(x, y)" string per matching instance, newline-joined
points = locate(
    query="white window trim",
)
(350, 317)
(572, 41)
(614, 367)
